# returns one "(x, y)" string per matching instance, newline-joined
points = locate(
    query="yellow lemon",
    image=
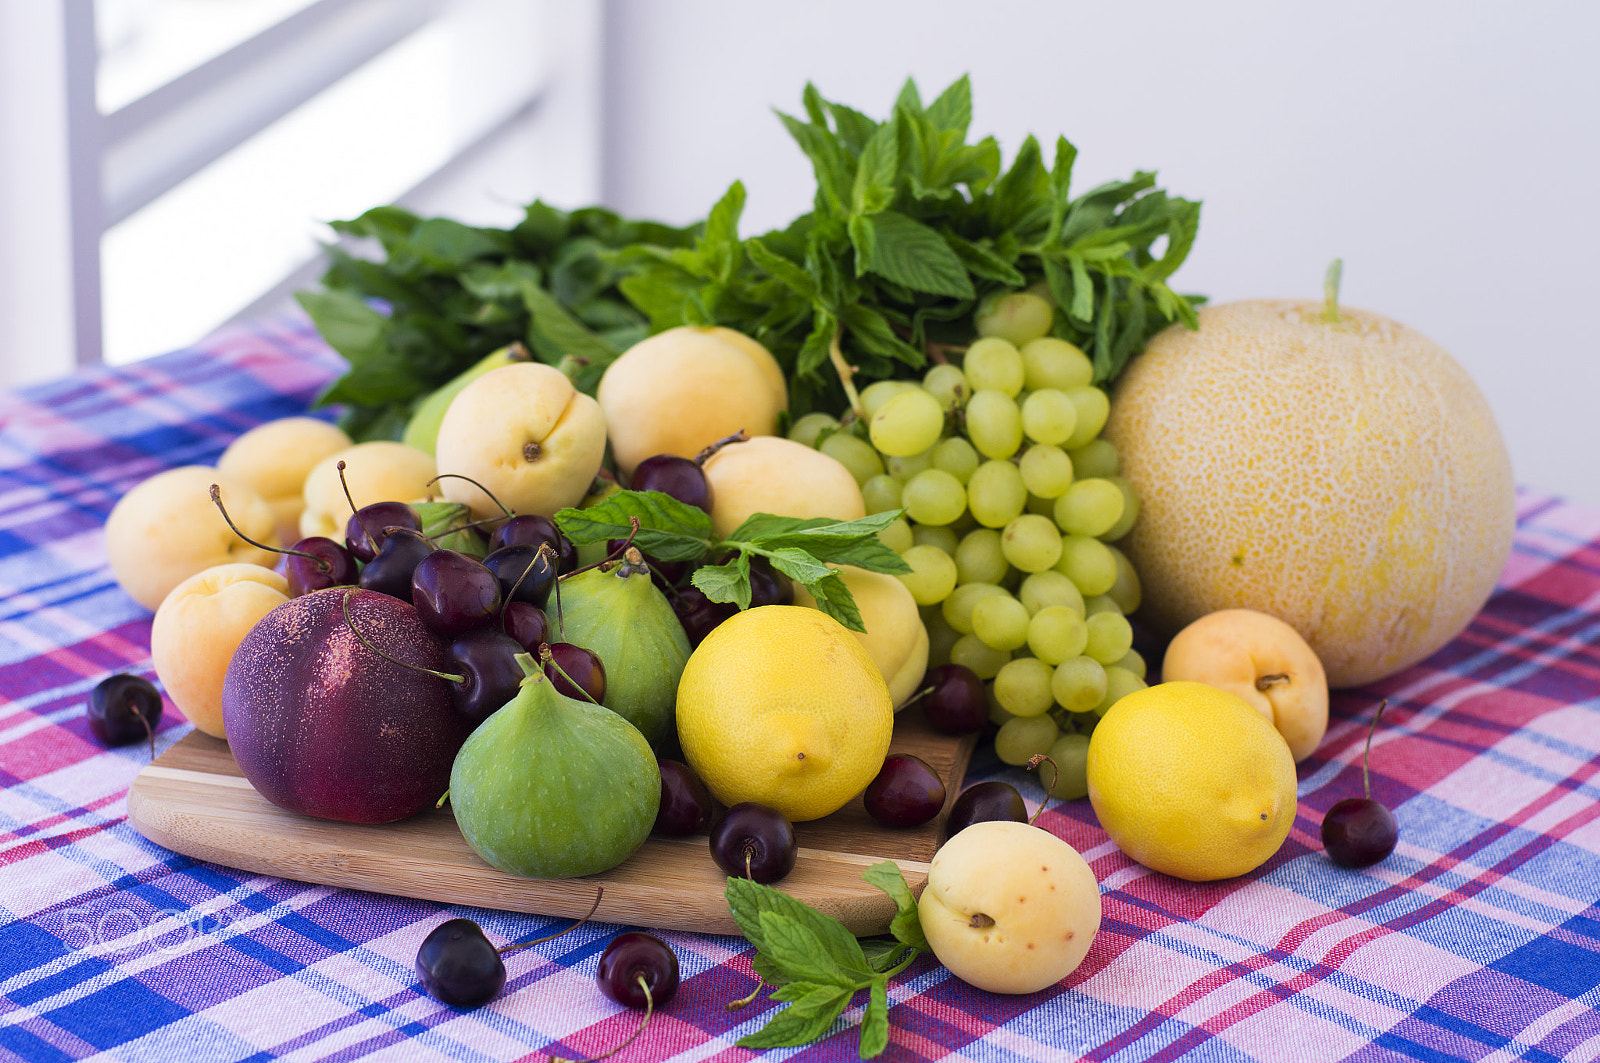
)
(1191, 781)
(782, 705)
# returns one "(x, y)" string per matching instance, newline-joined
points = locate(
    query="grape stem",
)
(846, 373)
(599, 891)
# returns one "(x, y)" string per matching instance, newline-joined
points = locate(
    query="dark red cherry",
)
(454, 593)
(331, 565)
(685, 802)
(698, 614)
(377, 518)
(955, 704)
(526, 623)
(675, 476)
(767, 586)
(488, 660)
(391, 571)
(753, 841)
(985, 801)
(530, 529)
(526, 573)
(905, 793)
(1359, 831)
(585, 674)
(459, 966)
(124, 708)
(636, 961)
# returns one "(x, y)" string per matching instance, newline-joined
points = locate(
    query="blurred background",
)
(166, 166)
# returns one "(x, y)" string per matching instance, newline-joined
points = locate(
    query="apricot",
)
(682, 390)
(197, 628)
(895, 638)
(770, 474)
(166, 529)
(380, 471)
(275, 458)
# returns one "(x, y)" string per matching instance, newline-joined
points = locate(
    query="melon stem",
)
(1330, 291)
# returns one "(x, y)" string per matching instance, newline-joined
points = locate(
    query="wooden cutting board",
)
(194, 800)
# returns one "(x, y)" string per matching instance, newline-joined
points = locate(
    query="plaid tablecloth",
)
(1479, 938)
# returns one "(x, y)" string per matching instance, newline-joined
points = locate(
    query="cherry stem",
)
(216, 500)
(355, 512)
(622, 548)
(1055, 777)
(1366, 783)
(442, 798)
(599, 891)
(549, 658)
(918, 696)
(1271, 680)
(546, 551)
(741, 436)
(749, 855)
(149, 731)
(474, 483)
(649, 1009)
(735, 1005)
(345, 605)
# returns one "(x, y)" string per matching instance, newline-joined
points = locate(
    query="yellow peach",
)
(166, 529)
(380, 471)
(770, 474)
(198, 627)
(895, 638)
(275, 457)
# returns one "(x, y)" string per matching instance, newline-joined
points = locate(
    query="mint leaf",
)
(813, 1011)
(853, 542)
(835, 599)
(798, 565)
(803, 955)
(875, 1020)
(908, 252)
(749, 902)
(884, 953)
(876, 171)
(668, 529)
(906, 926)
(726, 583)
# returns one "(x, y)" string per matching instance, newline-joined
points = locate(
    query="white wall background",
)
(1448, 151)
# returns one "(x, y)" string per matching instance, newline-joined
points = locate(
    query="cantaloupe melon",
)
(1347, 478)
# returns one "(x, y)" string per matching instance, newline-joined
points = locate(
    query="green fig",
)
(422, 430)
(615, 611)
(448, 525)
(549, 787)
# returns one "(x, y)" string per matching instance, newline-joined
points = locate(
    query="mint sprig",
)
(819, 966)
(801, 549)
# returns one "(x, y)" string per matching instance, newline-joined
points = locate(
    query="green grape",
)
(957, 457)
(1031, 543)
(854, 453)
(935, 497)
(1127, 591)
(997, 712)
(948, 384)
(1002, 623)
(994, 424)
(1078, 684)
(979, 558)
(1098, 457)
(1088, 563)
(1070, 755)
(808, 428)
(1089, 507)
(1046, 471)
(932, 576)
(941, 636)
(996, 494)
(1051, 363)
(1093, 409)
(881, 493)
(897, 536)
(1133, 661)
(1048, 416)
(970, 652)
(1022, 687)
(1044, 589)
(903, 467)
(908, 423)
(938, 535)
(992, 364)
(1130, 510)
(1119, 684)
(1110, 637)
(873, 396)
(1100, 603)
(1015, 316)
(1057, 633)
(1024, 737)
(957, 609)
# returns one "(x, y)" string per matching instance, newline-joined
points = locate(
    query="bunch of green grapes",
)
(1014, 502)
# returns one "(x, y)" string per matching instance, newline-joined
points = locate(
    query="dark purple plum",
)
(525, 623)
(685, 802)
(330, 565)
(585, 673)
(459, 966)
(675, 476)
(984, 801)
(905, 793)
(391, 571)
(454, 593)
(753, 841)
(633, 963)
(124, 709)
(377, 518)
(768, 587)
(525, 572)
(488, 660)
(325, 725)
(698, 614)
(955, 704)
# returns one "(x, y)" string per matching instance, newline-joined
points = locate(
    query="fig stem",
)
(599, 891)
(1330, 292)
(741, 436)
(344, 604)
(354, 511)
(846, 373)
(649, 1009)
(1366, 755)
(735, 1005)
(474, 483)
(549, 658)
(1055, 777)
(216, 500)
(1271, 680)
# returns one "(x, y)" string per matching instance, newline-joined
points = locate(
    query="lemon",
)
(782, 705)
(1191, 781)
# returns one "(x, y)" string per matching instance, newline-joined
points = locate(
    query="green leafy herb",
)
(818, 966)
(911, 229)
(669, 530)
(445, 294)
